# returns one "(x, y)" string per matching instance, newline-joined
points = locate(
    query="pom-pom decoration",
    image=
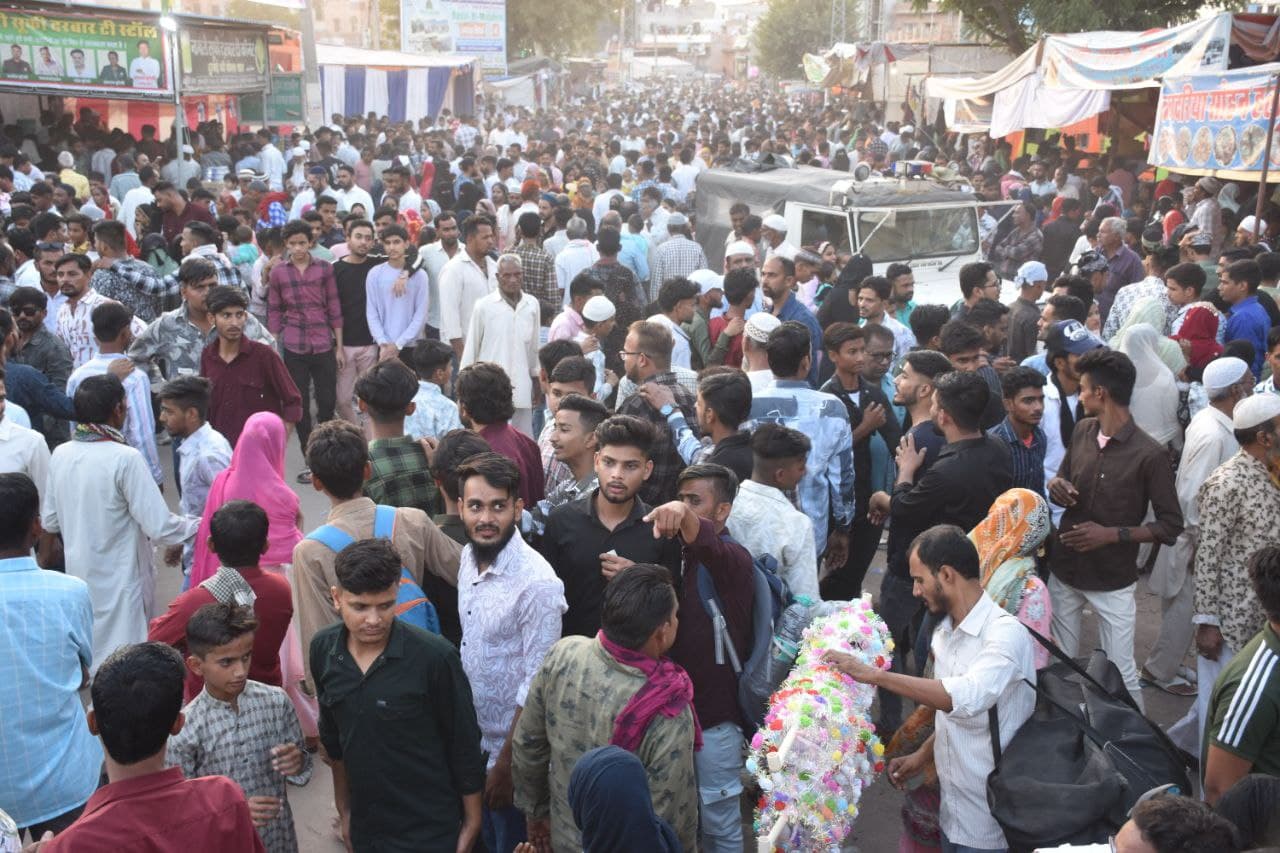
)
(817, 750)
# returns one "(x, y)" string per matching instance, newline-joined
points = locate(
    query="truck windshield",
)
(901, 234)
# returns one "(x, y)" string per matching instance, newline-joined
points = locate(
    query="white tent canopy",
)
(341, 54)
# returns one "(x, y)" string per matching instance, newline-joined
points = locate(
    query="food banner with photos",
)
(110, 53)
(1216, 124)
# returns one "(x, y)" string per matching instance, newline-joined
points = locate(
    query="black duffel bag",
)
(1077, 766)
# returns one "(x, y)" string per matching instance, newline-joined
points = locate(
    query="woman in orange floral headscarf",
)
(1007, 540)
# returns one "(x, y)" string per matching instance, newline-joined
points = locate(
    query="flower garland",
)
(817, 750)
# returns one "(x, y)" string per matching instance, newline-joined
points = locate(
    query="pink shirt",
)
(567, 324)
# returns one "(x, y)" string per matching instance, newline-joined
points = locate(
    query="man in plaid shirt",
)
(401, 475)
(677, 256)
(539, 268)
(304, 314)
(133, 283)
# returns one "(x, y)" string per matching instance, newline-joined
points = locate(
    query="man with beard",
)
(38, 347)
(1023, 392)
(981, 657)
(347, 194)
(710, 297)
(592, 539)
(510, 602)
(777, 280)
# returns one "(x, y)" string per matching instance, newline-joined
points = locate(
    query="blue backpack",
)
(755, 681)
(412, 604)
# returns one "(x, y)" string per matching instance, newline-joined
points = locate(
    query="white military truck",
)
(919, 219)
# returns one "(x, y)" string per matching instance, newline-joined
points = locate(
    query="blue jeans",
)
(948, 847)
(503, 829)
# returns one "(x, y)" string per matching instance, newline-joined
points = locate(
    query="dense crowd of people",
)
(557, 448)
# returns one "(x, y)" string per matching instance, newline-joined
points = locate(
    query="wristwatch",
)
(1123, 536)
(666, 410)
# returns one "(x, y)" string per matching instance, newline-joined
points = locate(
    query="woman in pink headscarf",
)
(256, 474)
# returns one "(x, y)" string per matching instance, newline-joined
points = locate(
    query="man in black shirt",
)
(1060, 237)
(590, 540)
(869, 413)
(396, 717)
(361, 352)
(971, 471)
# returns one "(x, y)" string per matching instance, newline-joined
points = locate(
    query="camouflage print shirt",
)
(569, 710)
(171, 345)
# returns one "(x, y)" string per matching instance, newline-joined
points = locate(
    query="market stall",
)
(119, 64)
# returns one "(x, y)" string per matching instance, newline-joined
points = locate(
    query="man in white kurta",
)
(102, 499)
(140, 420)
(504, 330)
(465, 278)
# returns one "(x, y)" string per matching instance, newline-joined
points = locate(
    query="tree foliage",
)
(791, 28)
(558, 28)
(1017, 24)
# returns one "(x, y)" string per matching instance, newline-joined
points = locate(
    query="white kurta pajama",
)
(507, 335)
(101, 497)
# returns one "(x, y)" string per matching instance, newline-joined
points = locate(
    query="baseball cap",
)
(1031, 272)
(246, 174)
(598, 309)
(1091, 262)
(760, 325)
(707, 280)
(1255, 410)
(1071, 336)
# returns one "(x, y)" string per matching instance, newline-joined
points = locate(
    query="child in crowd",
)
(238, 727)
(434, 413)
(241, 251)
(200, 451)
(238, 535)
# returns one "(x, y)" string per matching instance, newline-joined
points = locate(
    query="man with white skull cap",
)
(1209, 442)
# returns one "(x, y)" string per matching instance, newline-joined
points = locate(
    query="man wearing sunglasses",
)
(37, 347)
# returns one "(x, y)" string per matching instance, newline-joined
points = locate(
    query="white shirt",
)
(75, 327)
(434, 258)
(204, 454)
(23, 451)
(981, 663)
(681, 354)
(411, 201)
(139, 419)
(129, 206)
(462, 283)
(105, 521)
(573, 259)
(764, 522)
(507, 336)
(1054, 447)
(1210, 440)
(145, 72)
(273, 166)
(683, 176)
(510, 617)
(348, 198)
(600, 206)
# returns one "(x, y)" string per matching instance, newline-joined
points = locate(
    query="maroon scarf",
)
(666, 691)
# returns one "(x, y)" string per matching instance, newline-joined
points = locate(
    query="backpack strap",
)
(993, 726)
(331, 537)
(384, 521)
(719, 625)
(1052, 648)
